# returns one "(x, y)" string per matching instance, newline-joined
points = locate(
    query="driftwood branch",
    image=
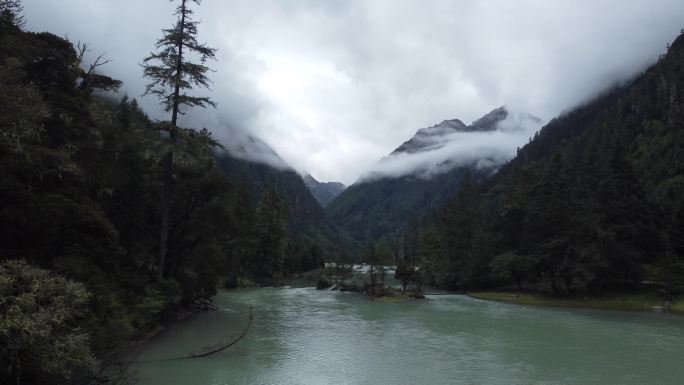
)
(224, 346)
(211, 350)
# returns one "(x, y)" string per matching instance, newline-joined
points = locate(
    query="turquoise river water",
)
(303, 336)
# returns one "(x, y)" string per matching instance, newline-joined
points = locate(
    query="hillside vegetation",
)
(594, 202)
(80, 185)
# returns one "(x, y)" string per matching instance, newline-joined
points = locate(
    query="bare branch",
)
(99, 62)
(82, 49)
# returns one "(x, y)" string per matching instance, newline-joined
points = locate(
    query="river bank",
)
(645, 301)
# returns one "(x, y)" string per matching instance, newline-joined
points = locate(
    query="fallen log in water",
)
(222, 347)
(209, 350)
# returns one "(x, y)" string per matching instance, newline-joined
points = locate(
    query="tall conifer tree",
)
(172, 74)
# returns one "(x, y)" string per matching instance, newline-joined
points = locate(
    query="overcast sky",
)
(335, 85)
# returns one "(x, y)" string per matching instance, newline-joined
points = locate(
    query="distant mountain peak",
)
(490, 120)
(435, 137)
(324, 192)
(486, 143)
(445, 125)
(426, 170)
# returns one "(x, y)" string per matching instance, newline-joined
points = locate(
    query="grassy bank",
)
(629, 301)
(678, 306)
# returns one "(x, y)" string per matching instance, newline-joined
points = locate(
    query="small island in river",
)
(383, 283)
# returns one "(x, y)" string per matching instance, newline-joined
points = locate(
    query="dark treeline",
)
(88, 182)
(81, 183)
(310, 235)
(379, 209)
(593, 203)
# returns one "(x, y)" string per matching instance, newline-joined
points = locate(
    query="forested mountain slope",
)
(80, 186)
(311, 235)
(369, 211)
(324, 192)
(79, 197)
(593, 202)
(383, 205)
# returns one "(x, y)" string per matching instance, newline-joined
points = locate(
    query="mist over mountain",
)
(594, 202)
(242, 145)
(309, 230)
(485, 144)
(120, 217)
(253, 153)
(249, 160)
(423, 172)
(294, 77)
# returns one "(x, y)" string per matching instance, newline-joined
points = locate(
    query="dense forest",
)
(382, 209)
(385, 207)
(112, 223)
(311, 235)
(593, 203)
(82, 180)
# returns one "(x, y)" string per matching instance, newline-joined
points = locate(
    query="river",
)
(304, 336)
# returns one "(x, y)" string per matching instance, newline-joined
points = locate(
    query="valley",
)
(303, 221)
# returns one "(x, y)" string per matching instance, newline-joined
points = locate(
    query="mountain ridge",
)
(324, 192)
(381, 205)
(258, 168)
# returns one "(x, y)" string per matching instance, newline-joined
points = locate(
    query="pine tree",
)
(172, 73)
(272, 236)
(369, 257)
(629, 229)
(460, 223)
(11, 11)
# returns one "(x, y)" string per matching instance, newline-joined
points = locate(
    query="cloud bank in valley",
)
(237, 141)
(481, 149)
(244, 146)
(333, 86)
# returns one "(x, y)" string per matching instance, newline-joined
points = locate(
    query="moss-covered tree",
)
(41, 338)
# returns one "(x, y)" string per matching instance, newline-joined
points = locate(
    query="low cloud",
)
(237, 141)
(482, 150)
(252, 149)
(332, 86)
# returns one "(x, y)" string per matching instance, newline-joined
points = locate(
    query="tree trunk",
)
(167, 191)
(166, 212)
